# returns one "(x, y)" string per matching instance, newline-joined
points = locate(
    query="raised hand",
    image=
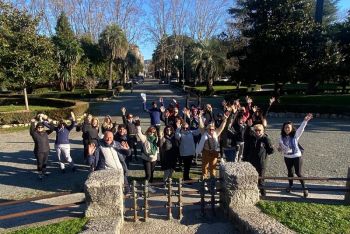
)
(174, 100)
(91, 148)
(272, 100)
(308, 117)
(162, 108)
(123, 110)
(72, 115)
(161, 99)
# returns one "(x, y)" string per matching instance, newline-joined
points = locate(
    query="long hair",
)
(165, 129)
(292, 133)
(151, 129)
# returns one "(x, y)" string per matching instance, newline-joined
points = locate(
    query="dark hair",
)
(292, 133)
(121, 126)
(167, 127)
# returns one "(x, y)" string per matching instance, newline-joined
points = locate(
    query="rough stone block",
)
(103, 226)
(242, 198)
(252, 220)
(239, 176)
(104, 194)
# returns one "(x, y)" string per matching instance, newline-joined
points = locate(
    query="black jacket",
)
(257, 149)
(169, 152)
(41, 139)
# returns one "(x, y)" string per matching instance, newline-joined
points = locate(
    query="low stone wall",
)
(239, 196)
(105, 205)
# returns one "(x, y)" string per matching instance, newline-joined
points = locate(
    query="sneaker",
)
(306, 193)
(289, 188)
(263, 192)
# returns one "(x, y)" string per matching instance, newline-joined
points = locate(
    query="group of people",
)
(237, 133)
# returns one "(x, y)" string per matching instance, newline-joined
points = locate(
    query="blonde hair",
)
(259, 126)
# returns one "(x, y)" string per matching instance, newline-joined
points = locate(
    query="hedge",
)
(19, 117)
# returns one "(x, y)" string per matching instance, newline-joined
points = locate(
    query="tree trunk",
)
(110, 74)
(210, 88)
(26, 98)
(72, 85)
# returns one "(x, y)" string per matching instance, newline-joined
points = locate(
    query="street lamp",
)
(183, 65)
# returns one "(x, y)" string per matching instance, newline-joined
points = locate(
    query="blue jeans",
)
(230, 154)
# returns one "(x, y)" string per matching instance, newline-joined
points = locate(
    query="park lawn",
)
(71, 226)
(21, 107)
(217, 87)
(309, 218)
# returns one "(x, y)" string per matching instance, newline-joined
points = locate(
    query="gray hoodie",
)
(187, 146)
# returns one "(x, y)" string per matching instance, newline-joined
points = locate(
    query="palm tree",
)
(114, 46)
(208, 61)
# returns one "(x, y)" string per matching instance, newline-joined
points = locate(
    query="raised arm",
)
(222, 125)
(302, 126)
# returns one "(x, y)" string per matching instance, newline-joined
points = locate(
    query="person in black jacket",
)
(121, 139)
(169, 151)
(129, 122)
(259, 145)
(42, 147)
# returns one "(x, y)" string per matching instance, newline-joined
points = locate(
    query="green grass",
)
(20, 107)
(71, 226)
(217, 87)
(309, 218)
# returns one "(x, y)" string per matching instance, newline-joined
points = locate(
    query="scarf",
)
(153, 143)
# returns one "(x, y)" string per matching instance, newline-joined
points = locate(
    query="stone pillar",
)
(105, 201)
(347, 194)
(240, 185)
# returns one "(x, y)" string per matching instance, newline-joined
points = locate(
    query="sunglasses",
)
(212, 129)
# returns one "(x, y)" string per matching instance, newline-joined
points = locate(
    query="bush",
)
(66, 106)
(41, 90)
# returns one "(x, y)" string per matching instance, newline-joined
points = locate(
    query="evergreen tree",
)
(68, 51)
(26, 58)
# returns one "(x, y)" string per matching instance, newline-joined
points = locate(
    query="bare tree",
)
(208, 18)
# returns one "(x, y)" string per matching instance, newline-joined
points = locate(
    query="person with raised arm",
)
(155, 113)
(292, 150)
(62, 144)
(41, 145)
(260, 146)
(129, 122)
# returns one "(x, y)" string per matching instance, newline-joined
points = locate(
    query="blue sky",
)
(147, 49)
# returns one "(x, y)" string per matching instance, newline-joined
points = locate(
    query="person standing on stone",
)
(105, 156)
(41, 146)
(62, 144)
(260, 146)
(292, 151)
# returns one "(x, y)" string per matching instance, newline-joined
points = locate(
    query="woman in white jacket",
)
(292, 150)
